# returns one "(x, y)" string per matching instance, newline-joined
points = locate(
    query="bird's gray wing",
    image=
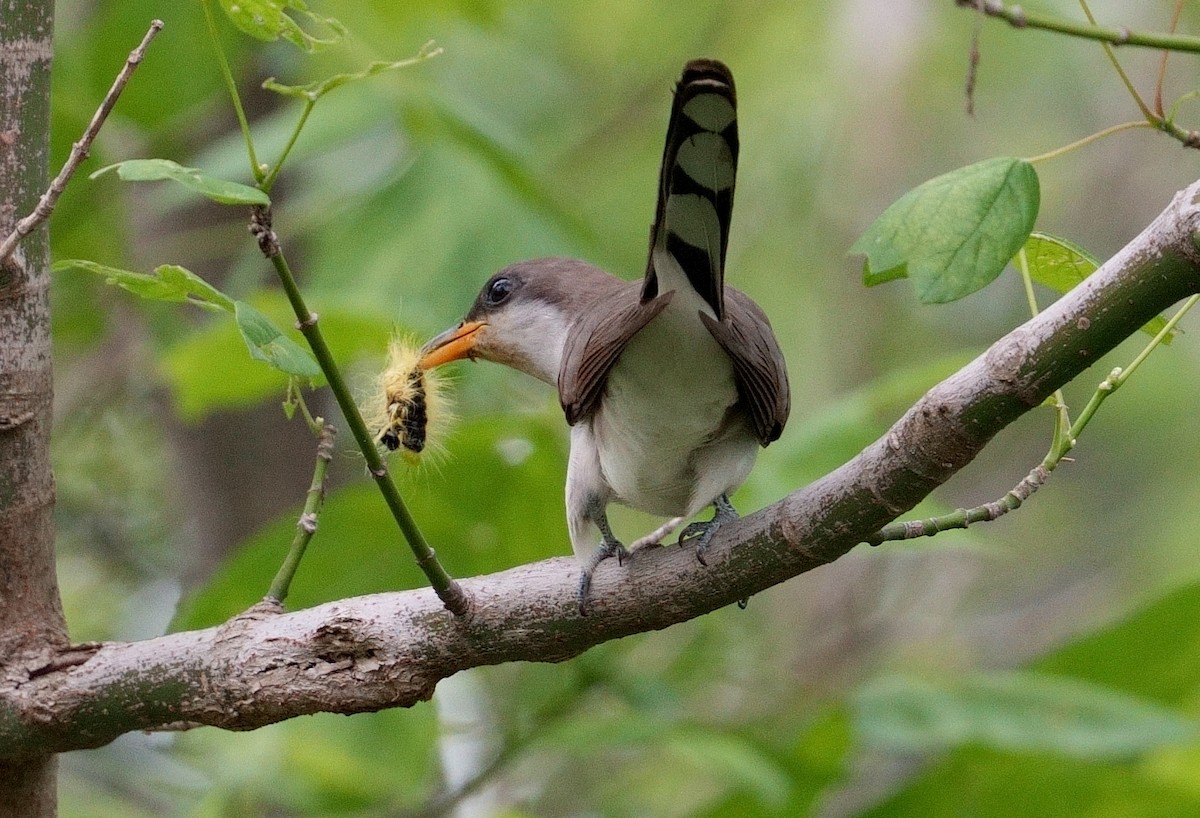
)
(594, 343)
(758, 366)
(695, 189)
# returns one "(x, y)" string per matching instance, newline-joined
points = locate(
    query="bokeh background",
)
(1046, 664)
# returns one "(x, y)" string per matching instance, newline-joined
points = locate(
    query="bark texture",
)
(388, 650)
(31, 620)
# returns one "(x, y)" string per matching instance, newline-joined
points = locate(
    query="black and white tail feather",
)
(696, 183)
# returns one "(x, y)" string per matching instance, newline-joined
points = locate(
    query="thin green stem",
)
(1112, 58)
(1019, 17)
(266, 183)
(1166, 330)
(1115, 380)
(295, 398)
(1162, 63)
(1062, 420)
(1174, 110)
(1022, 262)
(1066, 435)
(306, 527)
(231, 86)
(1087, 140)
(447, 589)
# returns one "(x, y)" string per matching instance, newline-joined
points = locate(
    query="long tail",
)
(695, 191)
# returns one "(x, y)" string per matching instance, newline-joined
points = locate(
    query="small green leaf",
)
(169, 282)
(1027, 712)
(269, 20)
(954, 234)
(315, 90)
(219, 190)
(1061, 265)
(267, 342)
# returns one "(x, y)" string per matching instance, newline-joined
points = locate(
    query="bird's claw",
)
(608, 548)
(702, 533)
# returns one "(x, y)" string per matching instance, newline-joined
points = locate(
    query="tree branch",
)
(374, 652)
(80, 150)
(1018, 17)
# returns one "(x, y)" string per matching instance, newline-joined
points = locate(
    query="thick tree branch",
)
(380, 651)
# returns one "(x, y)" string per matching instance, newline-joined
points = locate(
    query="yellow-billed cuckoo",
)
(670, 384)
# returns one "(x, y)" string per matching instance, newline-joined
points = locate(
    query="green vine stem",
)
(1108, 37)
(1019, 17)
(1087, 140)
(269, 180)
(1066, 436)
(231, 86)
(1115, 380)
(306, 527)
(447, 589)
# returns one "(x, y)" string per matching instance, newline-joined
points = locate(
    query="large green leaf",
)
(954, 234)
(1062, 265)
(1153, 653)
(168, 282)
(156, 170)
(985, 783)
(272, 20)
(1028, 712)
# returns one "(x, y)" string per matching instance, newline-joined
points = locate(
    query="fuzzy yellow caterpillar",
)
(409, 402)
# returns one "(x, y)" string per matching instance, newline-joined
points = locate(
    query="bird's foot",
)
(655, 537)
(609, 547)
(702, 533)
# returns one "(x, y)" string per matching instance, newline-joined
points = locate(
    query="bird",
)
(670, 384)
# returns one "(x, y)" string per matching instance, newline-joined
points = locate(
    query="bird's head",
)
(521, 316)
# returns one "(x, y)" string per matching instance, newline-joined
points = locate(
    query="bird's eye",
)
(498, 292)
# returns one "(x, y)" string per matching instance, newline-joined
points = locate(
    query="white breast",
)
(664, 440)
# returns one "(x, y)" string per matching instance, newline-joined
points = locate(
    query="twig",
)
(1064, 440)
(447, 589)
(307, 525)
(962, 518)
(973, 61)
(79, 151)
(1162, 63)
(1018, 17)
(231, 86)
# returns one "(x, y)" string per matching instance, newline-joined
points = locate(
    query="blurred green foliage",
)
(538, 131)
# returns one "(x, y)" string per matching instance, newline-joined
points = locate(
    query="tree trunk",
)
(31, 619)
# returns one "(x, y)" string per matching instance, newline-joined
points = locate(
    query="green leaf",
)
(731, 757)
(1062, 265)
(954, 234)
(991, 784)
(315, 90)
(1028, 712)
(269, 20)
(168, 282)
(219, 190)
(267, 342)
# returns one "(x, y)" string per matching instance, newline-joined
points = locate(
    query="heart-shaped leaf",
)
(954, 234)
